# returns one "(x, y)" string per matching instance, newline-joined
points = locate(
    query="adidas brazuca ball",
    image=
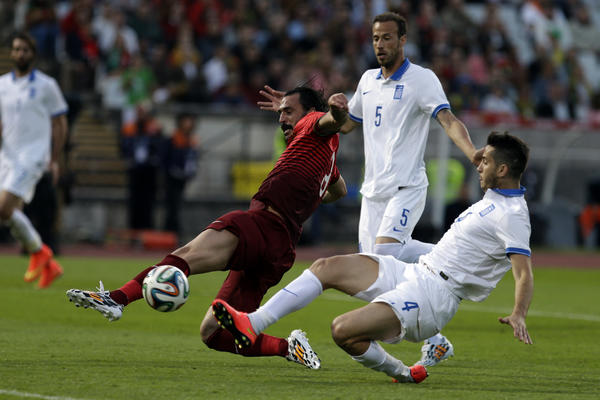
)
(166, 288)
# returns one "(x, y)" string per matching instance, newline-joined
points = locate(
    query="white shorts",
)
(419, 297)
(394, 217)
(18, 179)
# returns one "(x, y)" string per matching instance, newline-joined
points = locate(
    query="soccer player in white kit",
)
(33, 128)
(414, 301)
(395, 105)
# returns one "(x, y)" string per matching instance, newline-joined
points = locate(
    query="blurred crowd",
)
(221, 52)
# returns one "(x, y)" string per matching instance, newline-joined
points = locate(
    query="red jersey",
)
(300, 178)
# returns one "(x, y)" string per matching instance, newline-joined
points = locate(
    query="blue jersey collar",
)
(511, 192)
(399, 72)
(31, 75)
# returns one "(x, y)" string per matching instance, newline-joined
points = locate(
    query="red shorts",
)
(264, 253)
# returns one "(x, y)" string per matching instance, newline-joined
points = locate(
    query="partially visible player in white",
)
(395, 104)
(33, 128)
(414, 301)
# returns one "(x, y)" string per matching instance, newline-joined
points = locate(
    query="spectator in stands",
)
(141, 146)
(144, 21)
(81, 48)
(180, 163)
(455, 17)
(541, 17)
(171, 83)
(215, 70)
(111, 25)
(41, 23)
(579, 90)
(138, 81)
(498, 101)
(426, 27)
(585, 32)
(186, 58)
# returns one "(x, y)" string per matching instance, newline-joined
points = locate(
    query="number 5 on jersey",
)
(378, 115)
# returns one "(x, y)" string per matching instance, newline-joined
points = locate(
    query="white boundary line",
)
(16, 393)
(471, 307)
(532, 313)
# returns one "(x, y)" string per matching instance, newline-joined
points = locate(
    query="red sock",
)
(132, 290)
(264, 346)
(176, 262)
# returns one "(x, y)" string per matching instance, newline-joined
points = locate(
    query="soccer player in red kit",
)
(257, 246)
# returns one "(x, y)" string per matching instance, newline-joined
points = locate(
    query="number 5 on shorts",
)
(409, 305)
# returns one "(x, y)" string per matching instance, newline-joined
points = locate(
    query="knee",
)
(325, 270)
(207, 330)
(319, 266)
(340, 333)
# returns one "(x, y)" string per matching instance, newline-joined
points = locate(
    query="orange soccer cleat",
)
(418, 373)
(37, 262)
(236, 322)
(50, 273)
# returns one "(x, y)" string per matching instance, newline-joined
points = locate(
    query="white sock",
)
(436, 339)
(377, 359)
(408, 252)
(296, 295)
(22, 230)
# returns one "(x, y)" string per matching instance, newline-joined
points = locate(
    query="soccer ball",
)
(166, 288)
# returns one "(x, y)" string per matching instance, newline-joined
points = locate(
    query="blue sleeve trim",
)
(59, 113)
(356, 119)
(439, 108)
(516, 250)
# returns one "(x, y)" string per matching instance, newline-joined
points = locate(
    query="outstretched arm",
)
(521, 266)
(348, 126)
(336, 117)
(457, 131)
(335, 191)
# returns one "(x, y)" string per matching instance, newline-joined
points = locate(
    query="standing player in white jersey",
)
(395, 104)
(414, 301)
(33, 128)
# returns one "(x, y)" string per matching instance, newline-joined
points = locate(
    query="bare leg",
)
(357, 331)
(209, 251)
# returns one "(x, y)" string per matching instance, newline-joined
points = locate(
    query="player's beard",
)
(389, 60)
(23, 65)
(490, 182)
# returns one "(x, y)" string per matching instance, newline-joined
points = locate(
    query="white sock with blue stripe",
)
(296, 295)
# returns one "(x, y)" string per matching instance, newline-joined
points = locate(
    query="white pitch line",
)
(483, 309)
(532, 313)
(16, 393)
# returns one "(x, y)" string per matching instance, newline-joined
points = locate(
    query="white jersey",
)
(395, 114)
(473, 255)
(27, 105)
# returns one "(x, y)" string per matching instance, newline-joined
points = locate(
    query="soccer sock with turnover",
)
(296, 295)
(132, 290)
(377, 359)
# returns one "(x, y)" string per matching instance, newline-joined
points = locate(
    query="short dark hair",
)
(509, 150)
(24, 36)
(392, 16)
(310, 98)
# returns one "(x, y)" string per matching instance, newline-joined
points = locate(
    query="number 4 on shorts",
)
(409, 305)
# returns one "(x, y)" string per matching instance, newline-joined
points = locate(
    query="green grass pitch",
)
(51, 350)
